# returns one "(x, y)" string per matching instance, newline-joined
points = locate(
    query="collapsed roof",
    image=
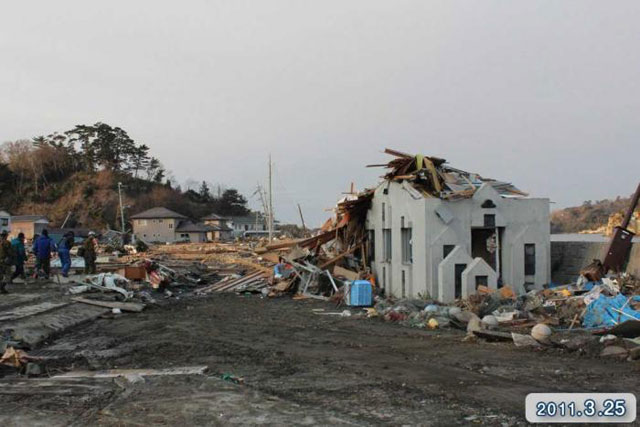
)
(432, 177)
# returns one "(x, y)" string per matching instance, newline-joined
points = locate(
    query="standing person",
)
(89, 253)
(6, 261)
(20, 257)
(33, 251)
(43, 248)
(64, 248)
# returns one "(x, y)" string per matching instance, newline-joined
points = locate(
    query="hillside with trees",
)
(78, 172)
(592, 215)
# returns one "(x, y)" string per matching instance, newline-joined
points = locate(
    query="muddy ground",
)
(298, 368)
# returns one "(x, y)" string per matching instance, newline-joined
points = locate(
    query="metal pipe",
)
(632, 208)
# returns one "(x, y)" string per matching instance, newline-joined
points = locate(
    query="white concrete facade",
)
(459, 228)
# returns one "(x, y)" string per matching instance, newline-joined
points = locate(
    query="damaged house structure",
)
(440, 231)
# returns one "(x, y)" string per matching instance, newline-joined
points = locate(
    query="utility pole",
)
(304, 227)
(121, 207)
(263, 200)
(270, 203)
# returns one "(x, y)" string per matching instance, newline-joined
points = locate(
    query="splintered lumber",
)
(210, 288)
(124, 306)
(347, 274)
(252, 279)
(320, 239)
(338, 258)
(271, 257)
(246, 280)
(281, 245)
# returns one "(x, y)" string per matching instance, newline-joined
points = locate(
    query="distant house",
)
(28, 224)
(220, 228)
(157, 224)
(243, 224)
(5, 221)
(189, 231)
(166, 226)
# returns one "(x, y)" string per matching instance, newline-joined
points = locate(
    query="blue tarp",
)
(599, 313)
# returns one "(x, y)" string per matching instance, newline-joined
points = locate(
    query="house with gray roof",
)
(162, 225)
(189, 231)
(220, 227)
(243, 225)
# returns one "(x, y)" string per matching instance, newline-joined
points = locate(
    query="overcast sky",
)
(545, 94)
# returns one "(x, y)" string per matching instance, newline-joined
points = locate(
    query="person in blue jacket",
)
(64, 248)
(20, 256)
(43, 248)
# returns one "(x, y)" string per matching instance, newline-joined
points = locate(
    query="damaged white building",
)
(438, 231)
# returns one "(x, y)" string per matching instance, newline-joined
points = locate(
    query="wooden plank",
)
(338, 258)
(30, 310)
(125, 306)
(235, 281)
(246, 279)
(273, 257)
(113, 373)
(347, 274)
(242, 285)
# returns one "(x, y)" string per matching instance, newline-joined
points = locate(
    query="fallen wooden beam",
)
(339, 257)
(125, 306)
(112, 373)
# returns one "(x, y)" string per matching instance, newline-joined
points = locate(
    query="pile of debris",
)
(433, 178)
(319, 266)
(586, 316)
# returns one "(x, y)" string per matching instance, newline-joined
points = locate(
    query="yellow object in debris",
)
(13, 357)
(565, 292)
(432, 324)
(506, 292)
(371, 312)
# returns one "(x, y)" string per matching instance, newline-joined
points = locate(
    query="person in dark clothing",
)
(44, 246)
(64, 248)
(6, 261)
(20, 257)
(89, 253)
(33, 251)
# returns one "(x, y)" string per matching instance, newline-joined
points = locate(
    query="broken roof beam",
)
(398, 153)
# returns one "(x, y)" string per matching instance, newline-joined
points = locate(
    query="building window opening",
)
(407, 245)
(529, 259)
(386, 240)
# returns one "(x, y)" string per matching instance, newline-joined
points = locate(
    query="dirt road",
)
(298, 368)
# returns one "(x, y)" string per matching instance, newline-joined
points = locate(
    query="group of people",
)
(13, 255)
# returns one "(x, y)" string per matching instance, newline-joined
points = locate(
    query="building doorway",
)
(459, 269)
(486, 244)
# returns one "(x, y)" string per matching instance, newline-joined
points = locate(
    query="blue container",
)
(360, 294)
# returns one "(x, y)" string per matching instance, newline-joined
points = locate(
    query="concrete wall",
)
(569, 257)
(156, 230)
(436, 223)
